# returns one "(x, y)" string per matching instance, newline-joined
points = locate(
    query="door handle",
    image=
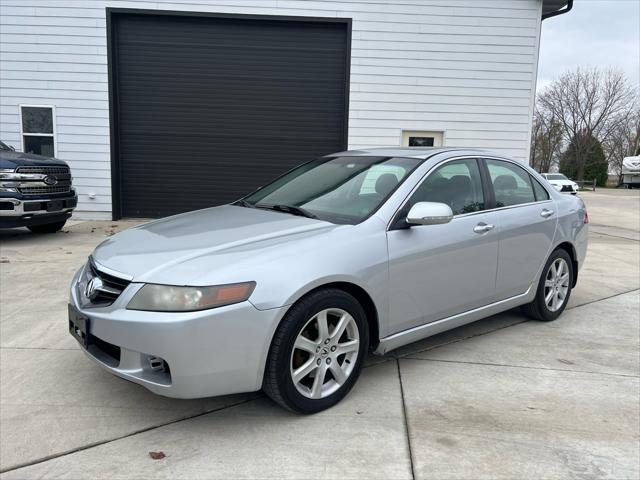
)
(483, 227)
(546, 213)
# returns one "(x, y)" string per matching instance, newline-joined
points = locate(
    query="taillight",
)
(586, 217)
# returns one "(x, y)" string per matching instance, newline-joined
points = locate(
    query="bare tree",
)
(586, 102)
(623, 140)
(546, 141)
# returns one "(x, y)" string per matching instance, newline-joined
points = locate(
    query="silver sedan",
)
(287, 289)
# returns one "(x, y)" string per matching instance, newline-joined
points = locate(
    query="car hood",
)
(20, 159)
(175, 250)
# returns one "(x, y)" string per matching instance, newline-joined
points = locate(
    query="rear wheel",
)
(317, 352)
(48, 227)
(554, 288)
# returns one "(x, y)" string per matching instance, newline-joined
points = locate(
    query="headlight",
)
(167, 298)
(558, 187)
(6, 187)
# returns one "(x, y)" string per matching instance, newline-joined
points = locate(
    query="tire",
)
(321, 353)
(558, 286)
(48, 227)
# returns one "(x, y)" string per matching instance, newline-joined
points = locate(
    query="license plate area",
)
(79, 326)
(55, 205)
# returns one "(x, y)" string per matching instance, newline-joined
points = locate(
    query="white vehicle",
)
(561, 183)
(631, 172)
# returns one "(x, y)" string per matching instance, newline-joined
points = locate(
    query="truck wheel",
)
(48, 227)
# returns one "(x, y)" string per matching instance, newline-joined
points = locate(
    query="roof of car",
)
(421, 153)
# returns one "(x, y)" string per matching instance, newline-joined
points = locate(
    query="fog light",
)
(157, 364)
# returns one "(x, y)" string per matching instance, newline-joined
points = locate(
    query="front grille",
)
(567, 188)
(112, 286)
(44, 170)
(62, 183)
(110, 350)
(44, 190)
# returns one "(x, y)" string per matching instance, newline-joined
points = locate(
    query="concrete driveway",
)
(500, 398)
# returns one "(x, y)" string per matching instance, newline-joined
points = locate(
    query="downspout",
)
(559, 12)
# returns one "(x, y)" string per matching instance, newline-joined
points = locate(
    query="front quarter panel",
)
(284, 271)
(355, 254)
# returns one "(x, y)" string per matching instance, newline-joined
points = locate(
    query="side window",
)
(511, 184)
(541, 193)
(457, 184)
(38, 130)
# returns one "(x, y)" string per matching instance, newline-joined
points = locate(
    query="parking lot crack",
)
(405, 419)
(111, 440)
(39, 348)
(518, 322)
(528, 367)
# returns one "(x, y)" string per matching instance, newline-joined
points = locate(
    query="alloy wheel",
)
(556, 285)
(324, 353)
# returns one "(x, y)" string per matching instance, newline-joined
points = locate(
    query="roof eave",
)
(553, 8)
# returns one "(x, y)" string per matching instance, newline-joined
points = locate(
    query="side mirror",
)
(429, 213)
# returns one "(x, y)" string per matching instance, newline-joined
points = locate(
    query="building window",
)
(411, 138)
(38, 130)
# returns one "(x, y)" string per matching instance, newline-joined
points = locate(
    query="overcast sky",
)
(594, 32)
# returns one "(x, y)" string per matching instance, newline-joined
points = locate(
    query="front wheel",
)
(47, 228)
(554, 288)
(317, 352)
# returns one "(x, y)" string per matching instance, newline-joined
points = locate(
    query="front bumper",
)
(211, 352)
(17, 212)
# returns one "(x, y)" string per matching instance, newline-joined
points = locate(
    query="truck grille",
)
(44, 170)
(60, 175)
(110, 289)
(44, 190)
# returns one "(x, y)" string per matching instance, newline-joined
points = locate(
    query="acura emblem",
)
(93, 288)
(50, 180)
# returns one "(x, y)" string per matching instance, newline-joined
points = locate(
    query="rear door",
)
(526, 222)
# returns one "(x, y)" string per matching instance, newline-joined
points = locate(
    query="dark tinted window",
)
(37, 120)
(39, 145)
(511, 184)
(37, 130)
(421, 141)
(455, 183)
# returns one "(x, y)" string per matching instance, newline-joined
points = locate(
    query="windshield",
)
(556, 176)
(5, 147)
(339, 190)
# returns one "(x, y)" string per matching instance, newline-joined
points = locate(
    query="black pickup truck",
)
(35, 191)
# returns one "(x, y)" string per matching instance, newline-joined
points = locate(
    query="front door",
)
(436, 271)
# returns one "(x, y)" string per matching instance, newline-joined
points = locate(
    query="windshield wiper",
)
(243, 203)
(292, 209)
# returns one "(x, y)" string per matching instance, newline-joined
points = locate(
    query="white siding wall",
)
(465, 67)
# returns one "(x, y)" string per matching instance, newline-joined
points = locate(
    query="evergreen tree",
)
(586, 150)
